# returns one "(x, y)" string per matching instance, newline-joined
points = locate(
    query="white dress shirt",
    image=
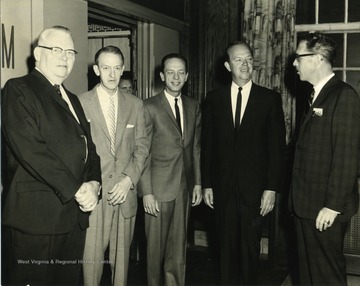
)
(320, 85)
(104, 99)
(245, 92)
(171, 100)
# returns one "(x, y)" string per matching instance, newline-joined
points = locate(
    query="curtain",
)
(269, 29)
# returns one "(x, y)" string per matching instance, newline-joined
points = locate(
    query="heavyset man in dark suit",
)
(53, 168)
(324, 193)
(171, 180)
(242, 163)
(112, 221)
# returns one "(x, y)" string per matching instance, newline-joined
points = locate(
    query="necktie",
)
(177, 112)
(57, 87)
(311, 98)
(112, 123)
(238, 109)
(307, 107)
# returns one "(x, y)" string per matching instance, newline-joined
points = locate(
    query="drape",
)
(268, 26)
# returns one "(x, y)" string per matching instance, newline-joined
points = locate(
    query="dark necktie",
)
(57, 87)
(311, 98)
(309, 103)
(238, 109)
(177, 112)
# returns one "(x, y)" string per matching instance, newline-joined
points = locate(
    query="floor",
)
(200, 270)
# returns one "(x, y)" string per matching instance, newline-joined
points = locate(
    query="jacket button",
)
(110, 176)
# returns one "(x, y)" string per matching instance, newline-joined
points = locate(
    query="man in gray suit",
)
(118, 128)
(171, 180)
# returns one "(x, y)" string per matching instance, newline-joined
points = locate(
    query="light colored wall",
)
(29, 18)
(166, 41)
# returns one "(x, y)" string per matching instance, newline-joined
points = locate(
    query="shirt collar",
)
(171, 98)
(246, 87)
(101, 89)
(320, 85)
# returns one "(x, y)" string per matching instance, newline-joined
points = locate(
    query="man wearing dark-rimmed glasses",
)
(324, 191)
(52, 168)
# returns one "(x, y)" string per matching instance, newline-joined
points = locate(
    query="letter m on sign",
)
(8, 50)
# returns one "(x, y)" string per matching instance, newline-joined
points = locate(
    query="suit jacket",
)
(171, 153)
(327, 154)
(252, 155)
(49, 156)
(132, 144)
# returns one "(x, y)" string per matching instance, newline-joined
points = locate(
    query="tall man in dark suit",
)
(324, 183)
(53, 168)
(171, 181)
(119, 132)
(243, 142)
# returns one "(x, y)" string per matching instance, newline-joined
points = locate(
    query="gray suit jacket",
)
(170, 152)
(132, 144)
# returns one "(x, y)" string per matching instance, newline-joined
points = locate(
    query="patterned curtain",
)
(269, 28)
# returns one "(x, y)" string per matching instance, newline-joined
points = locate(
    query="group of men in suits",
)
(76, 167)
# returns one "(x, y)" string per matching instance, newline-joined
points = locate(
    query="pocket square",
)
(318, 111)
(129, 126)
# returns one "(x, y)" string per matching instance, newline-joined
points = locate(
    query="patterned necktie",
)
(177, 112)
(112, 127)
(311, 98)
(57, 87)
(238, 109)
(307, 107)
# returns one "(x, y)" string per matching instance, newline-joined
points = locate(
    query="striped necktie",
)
(112, 123)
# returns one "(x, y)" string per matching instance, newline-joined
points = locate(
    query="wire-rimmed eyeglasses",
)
(56, 51)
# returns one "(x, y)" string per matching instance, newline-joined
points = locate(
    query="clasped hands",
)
(87, 196)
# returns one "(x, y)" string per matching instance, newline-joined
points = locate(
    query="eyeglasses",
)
(56, 51)
(297, 56)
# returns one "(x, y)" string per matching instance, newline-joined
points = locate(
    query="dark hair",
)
(173, 56)
(236, 43)
(108, 49)
(320, 44)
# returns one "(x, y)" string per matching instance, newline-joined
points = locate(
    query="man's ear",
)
(162, 76)
(96, 70)
(227, 66)
(37, 53)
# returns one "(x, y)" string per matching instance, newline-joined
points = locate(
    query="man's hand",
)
(120, 191)
(87, 196)
(196, 196)
(151, 205)
(325, 218)
(208, 197)
(267, 202)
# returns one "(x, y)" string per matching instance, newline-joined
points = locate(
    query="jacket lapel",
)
(228, 114)
(97, 111)
(165, 103)
(124, 112)
(318, 101)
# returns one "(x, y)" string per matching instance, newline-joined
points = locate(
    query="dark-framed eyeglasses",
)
(56, 51)
(297, 56)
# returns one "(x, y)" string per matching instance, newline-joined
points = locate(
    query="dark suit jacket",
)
(49, 156)
(327, 154)
(254, 154)
(171, 153)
